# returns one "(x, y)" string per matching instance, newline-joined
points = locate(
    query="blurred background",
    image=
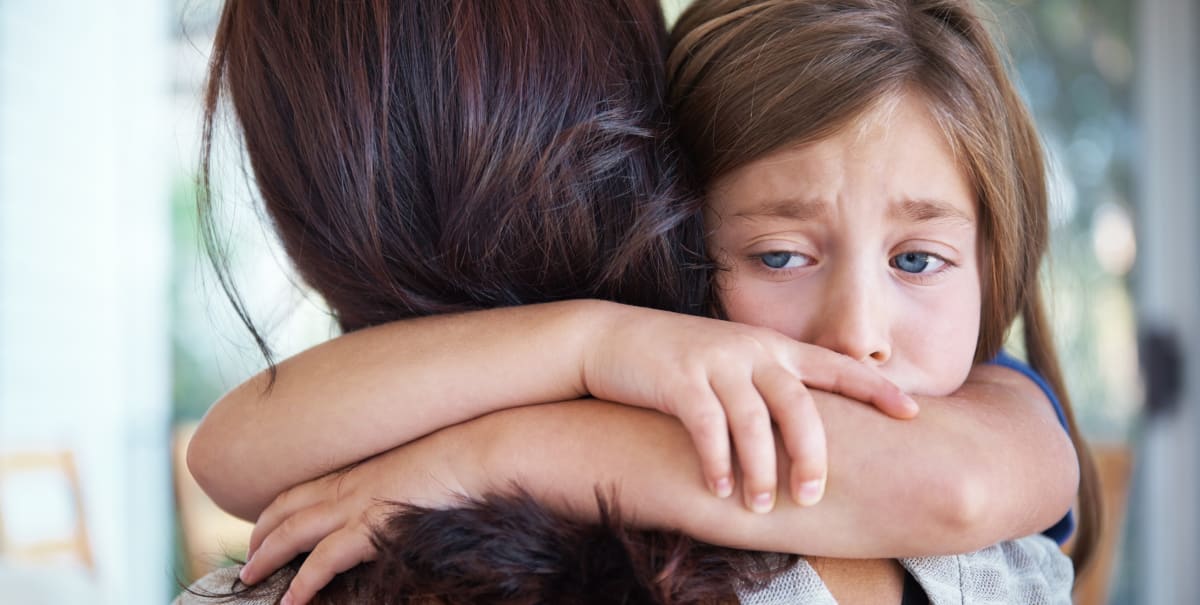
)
(115, 338)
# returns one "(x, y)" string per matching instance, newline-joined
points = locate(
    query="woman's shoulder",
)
(800, 583)
(223, 587)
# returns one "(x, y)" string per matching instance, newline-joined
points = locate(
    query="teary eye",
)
(917, 262)
(784, 260)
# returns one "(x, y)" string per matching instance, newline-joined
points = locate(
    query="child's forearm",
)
(366, 392)
(988, 464)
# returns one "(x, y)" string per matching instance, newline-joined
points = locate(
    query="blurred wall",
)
(83, 268)
(1165, 519)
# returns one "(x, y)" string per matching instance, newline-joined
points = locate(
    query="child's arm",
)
(988, 464)
(369, 391)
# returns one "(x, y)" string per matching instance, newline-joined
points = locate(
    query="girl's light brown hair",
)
(749, 77)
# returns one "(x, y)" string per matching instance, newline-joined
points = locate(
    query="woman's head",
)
(427, 156)
(758, 82)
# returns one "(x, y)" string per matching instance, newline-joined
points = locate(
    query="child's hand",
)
(721, 379)
(332, 517)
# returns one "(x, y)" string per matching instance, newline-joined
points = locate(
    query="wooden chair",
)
(73, 545)
(1114, 464)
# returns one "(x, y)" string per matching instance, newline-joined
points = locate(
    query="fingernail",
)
(912, 404)
(723, 488)
(761, 502)
(244, 573)
(810, 492)
(287, 599)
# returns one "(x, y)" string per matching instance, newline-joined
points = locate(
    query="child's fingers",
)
(704, 418)
(285, 505)
(294, 535)
(801, 429)
(753, 439)
(823, 369)
(336, 553)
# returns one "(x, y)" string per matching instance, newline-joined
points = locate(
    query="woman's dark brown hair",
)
(430, 156)
(511, 550)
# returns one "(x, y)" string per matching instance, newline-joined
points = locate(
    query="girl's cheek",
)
(745, 299)
(786, 307)
(742, 303)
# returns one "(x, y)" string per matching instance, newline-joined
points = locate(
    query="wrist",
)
(589, 326)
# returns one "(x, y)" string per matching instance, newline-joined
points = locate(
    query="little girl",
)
(851, 208)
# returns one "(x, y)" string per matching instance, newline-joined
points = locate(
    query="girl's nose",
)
(855, 319)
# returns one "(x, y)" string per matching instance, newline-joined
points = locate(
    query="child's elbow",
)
(965, 509)
(205, 463)
(975, 508)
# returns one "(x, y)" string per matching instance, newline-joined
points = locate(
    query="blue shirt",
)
(1059, 532)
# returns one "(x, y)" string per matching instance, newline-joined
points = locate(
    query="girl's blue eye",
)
(783, 260)
(917, 262)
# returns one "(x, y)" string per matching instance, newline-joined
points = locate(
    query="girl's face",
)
(864, 243)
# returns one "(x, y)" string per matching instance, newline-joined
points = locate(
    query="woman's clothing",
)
(913, 593)
(224, 581)
(1027, 571)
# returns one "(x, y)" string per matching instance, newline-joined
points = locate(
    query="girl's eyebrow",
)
(911, 210)
(929, 210)
(789, 208)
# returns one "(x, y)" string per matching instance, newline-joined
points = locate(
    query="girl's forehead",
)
(894, 155)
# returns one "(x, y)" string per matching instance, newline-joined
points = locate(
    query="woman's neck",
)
(861, 581)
